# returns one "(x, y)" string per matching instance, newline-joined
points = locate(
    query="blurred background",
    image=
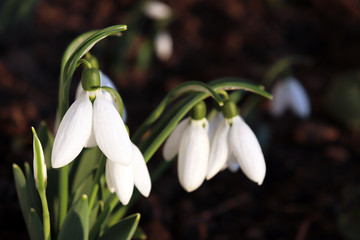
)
(312, 186)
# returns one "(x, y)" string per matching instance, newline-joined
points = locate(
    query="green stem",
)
(93, 196)
(63, 193)
(46, 215)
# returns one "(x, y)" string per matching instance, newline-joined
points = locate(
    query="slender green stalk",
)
(63, 193)
(46, 215)
(93, 196)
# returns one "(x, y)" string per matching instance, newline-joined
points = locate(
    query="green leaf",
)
(123, 230)
(187, 87)
(70, 66)
(36, 228)
(32, 220)
(22, 192)
(233, 83)
(95, 229)
(84, 166)
(139, 234)
(76, 224)
(33, 193)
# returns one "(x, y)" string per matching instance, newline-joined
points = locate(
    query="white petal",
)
(108, 177)
(157, 10)
(105, 81)
(247, 150)
(163, 45)
(193, 155)
(141, 174)
(219, 150)
(91, 141)
(123, 180)
(232, 164)
(214, 122)
(110, 132)
(73, 132)
(299, 100)
(171, 146)
(280, 100)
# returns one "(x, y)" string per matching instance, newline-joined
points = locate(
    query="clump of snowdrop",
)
(290, 94)
(234, 144)
(190, 141)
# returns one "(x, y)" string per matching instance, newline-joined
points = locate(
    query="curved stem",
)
(46, 215)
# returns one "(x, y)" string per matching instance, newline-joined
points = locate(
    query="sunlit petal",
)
(219, 150)
(141, 174)
(110, 132)
(108, 177)
(247, 150)
(171, 146)
(193, 155)
(123, 180)
(73, 132)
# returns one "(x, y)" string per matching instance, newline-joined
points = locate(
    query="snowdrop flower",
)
(163, 45)
(38, 155)
(191, 142)
(157, 10)
(234, 145)
(290, 94)
(85, 116)
(105, 81)
(121, 179)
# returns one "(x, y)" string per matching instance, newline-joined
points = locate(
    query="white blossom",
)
(157, 10)
(190, 141)
(163, 45)
(290, 94)
(77, 125)
(121, 179)
(234, 145)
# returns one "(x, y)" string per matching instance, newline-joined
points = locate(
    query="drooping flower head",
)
(234, 142)
(191, 142)
(92, 111)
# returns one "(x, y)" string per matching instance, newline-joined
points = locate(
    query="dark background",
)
(312, 186)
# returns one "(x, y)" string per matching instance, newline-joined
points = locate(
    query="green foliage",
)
(76, 224)
(344, 98)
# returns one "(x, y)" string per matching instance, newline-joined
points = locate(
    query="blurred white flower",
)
(234, 144)
(121, 179)
(163, 45)
(191, 142)
(157, 10)
(290, 94)
(77, 125)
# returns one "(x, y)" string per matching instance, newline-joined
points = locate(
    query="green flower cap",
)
(198, 112)
(90, 79)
